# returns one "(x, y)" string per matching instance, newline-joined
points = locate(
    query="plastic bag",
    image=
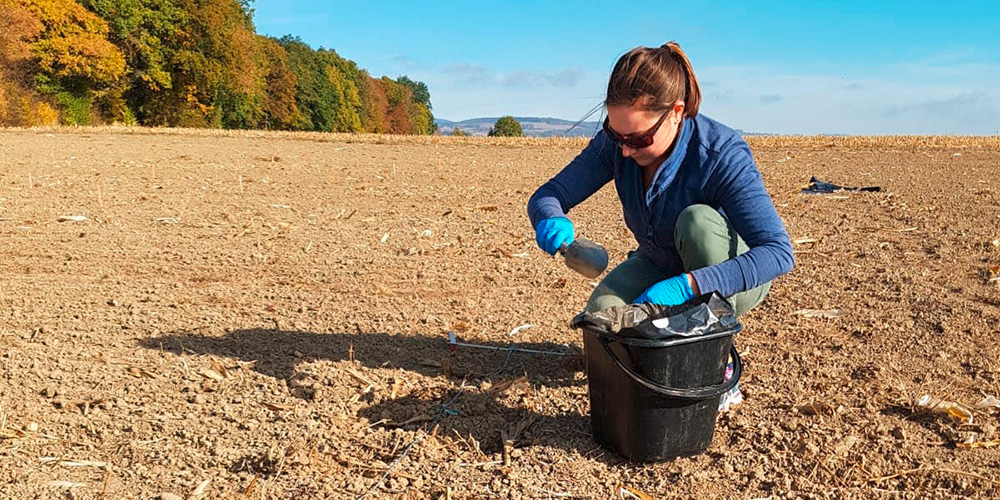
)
(705, 315)
(817, 186)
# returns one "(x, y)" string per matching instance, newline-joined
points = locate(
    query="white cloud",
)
(937, 96)
(403, 62)
(464, 73)
(971, 113)
(568, 77)
(471, 73)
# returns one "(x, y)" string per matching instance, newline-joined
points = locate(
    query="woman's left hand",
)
(669, 292)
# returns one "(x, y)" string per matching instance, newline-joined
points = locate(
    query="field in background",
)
(262, 315)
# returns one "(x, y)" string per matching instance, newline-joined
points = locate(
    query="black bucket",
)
(657, 399)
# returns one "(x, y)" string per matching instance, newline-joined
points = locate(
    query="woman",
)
(690, 191)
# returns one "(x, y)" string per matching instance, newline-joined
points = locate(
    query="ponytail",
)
(692, 91)
(655, 78)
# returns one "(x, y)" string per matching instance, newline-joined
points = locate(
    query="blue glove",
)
(669, 292)
(552, 233)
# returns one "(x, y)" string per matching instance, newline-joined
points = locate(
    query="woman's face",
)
(633, 121)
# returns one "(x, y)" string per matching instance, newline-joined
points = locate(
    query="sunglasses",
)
(643, 140)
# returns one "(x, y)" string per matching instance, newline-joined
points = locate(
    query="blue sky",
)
(845, 67)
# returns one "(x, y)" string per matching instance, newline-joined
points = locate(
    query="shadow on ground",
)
(276, 352)
(476, 413)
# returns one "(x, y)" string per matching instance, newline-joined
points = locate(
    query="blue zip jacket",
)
(711, 165)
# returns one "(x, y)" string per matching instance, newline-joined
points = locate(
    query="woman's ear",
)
(678, 112)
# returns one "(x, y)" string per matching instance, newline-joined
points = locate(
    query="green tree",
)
(421, 95)
(346, 80)
(421, 119)
(457, 132)
(419, 108)
(326, 92)
(506, 126)
(148, 32)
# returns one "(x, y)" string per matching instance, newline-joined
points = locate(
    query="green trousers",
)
(703, 238)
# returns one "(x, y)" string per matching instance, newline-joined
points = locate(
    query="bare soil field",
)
(254, 315)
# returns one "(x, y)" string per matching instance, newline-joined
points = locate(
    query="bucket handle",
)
(695, 393)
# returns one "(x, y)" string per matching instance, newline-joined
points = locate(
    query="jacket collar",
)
(667, 170)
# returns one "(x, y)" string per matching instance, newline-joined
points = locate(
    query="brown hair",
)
(655, 78)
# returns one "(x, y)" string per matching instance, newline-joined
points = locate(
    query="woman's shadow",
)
(478, 375)
(275, 353)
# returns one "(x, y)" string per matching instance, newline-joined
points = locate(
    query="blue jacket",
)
(711, 165)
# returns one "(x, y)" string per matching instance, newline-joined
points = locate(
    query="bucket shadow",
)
(480, 420)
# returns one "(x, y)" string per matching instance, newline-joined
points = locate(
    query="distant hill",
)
(535, 127)
(532, 127)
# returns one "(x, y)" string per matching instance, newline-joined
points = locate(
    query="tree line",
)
(186, 63)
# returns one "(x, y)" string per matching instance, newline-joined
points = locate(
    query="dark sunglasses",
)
(643, 140)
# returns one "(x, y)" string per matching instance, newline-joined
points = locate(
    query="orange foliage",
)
(74, 42)
(86, 55)
(280, 109)
(245, 65)
(399, 121)
(17, 28)
(376, 107)
(193, 98)
(19, 104)
(196, 63)
(37, 113)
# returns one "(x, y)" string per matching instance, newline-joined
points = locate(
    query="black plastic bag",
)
(705, 315)
(817, 186)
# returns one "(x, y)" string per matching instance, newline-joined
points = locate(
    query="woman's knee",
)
(625, 282)
(694, 221)
(603, 297)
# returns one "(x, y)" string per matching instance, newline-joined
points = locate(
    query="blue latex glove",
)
(669, 292)
(552, 233)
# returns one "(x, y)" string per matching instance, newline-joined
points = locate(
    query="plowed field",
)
(264, 316)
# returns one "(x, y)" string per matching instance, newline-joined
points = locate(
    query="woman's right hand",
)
(552, 233)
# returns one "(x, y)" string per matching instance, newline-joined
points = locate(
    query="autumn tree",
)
(233, 66)
(72, 59)
(215, 67)
(331, 91)
(374, 117)
(280, 110)
(20, 105)
(506, 126)
(191, 63)
(419, 109)
(398, 117)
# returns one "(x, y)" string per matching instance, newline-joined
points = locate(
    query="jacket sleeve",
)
(582, 177)
(736, 186)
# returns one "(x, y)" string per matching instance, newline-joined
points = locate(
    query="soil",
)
(265, 316)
